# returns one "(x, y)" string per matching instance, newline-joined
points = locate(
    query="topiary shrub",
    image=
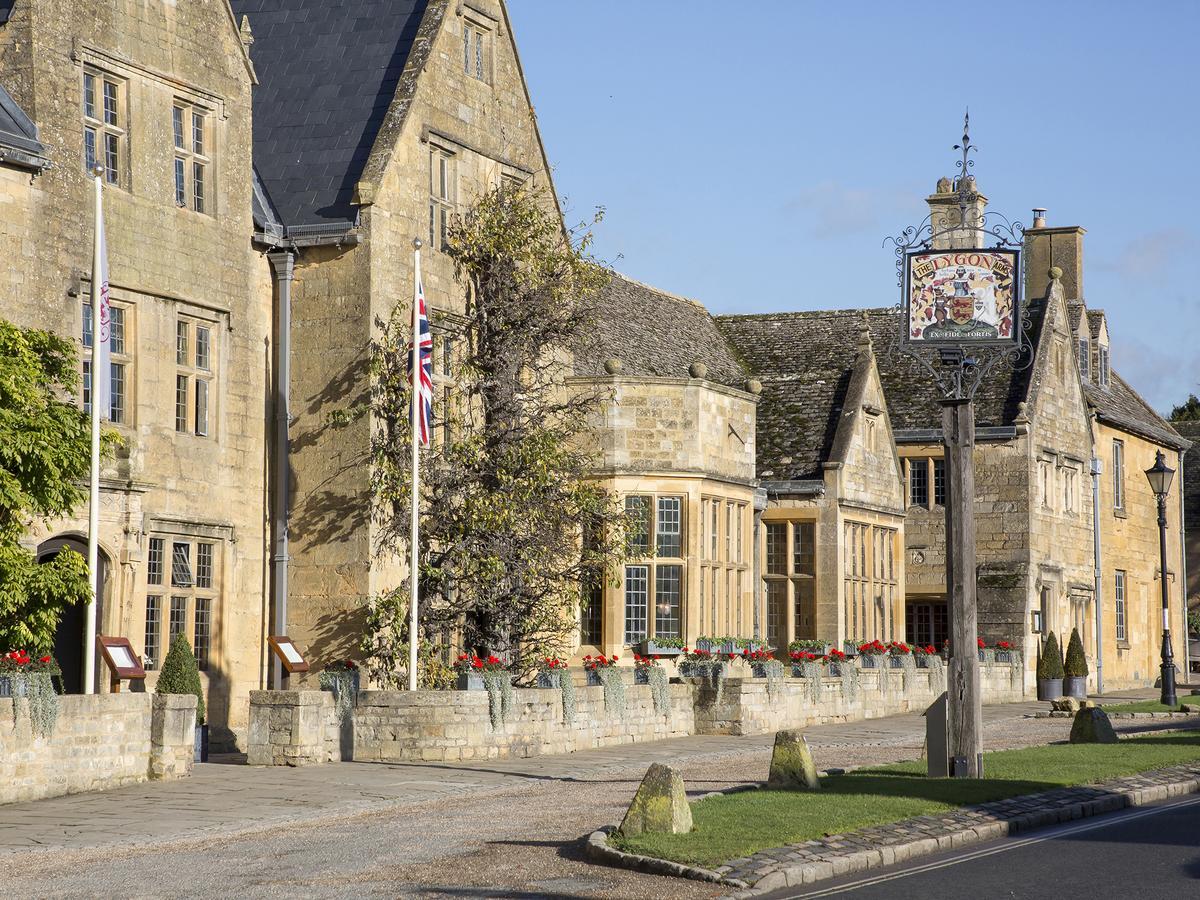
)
(1050, 665)
(179, 674)
(1076, 663)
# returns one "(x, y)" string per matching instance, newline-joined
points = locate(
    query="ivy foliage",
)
(180, 675)
(512, 522)
(45, 454)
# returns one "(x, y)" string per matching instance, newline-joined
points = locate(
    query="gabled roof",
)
(327, 71)
(655, 334)
(805, 362)
(19, 144)
(1122, 406)
(1191, 476)
(5, 10)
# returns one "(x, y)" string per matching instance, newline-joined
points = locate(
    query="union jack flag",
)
(423, 391)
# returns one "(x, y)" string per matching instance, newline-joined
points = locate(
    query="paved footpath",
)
(500, 828)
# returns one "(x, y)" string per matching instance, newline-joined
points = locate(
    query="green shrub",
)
(179, 674)
(1076, 665)
(1050, 663)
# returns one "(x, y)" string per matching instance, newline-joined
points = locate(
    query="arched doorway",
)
(69, 637)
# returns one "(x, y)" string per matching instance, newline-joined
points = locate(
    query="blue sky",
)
(755, 155)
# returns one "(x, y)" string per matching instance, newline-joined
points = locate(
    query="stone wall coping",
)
(175, 701)
(291, 698)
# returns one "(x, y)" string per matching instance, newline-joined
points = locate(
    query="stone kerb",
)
(99, 742)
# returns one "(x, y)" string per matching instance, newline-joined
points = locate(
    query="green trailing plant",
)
(614, 690)
(656, 678)
(773, 669)
(1050, 662)
(32, 679)
(811, 669)
(1193, 618)
(180, 675)
(341, 679)
(713, 667)
(498, 684)
(45, 454)
(1075, 665)
(557, 675)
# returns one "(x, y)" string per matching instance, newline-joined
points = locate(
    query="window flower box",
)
(665, 647)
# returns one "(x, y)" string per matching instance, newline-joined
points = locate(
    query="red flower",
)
(615, 657)
(981, 643)
(44, 659)
(477, 663)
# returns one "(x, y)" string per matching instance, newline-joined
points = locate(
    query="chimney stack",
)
(1046, 248)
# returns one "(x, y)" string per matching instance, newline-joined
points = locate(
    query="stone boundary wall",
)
(100, 742)
(747, 708)
(301, 727)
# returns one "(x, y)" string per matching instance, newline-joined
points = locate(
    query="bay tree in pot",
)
(1050, 670)
(1075, 668)
(180, 675)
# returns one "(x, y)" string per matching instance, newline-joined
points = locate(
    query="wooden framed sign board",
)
(292, 659)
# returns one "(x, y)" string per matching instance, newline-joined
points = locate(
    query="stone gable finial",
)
(864, 332)
(245, 33)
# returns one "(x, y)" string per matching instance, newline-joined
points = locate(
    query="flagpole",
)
(414, 422)
(89, 640)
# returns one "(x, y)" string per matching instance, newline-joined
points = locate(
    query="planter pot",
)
(1049, 688)
(981, 657)
(592, 677)
(11, 687)
(470, 681)
(201, 746)
(868, 661)
(650, 648)
(895, 662)
(1004, 656)
(758, 670)
(546, 680)
(333, 685)
(835, 670)
(922, 662)
(641, 676)
(1075, 686)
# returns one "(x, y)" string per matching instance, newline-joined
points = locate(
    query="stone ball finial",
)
(697, 369)
(754, 386)
(944, 185)
(612, 365)
(1055, 273)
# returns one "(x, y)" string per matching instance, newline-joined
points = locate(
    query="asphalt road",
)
(1151, 851)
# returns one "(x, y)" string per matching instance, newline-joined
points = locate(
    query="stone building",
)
(831, 542)
(677, 444)
(374, 123)
(1189, 488)
(158, 95)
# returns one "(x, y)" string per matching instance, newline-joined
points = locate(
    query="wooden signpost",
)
(123, 663)
(289, 656)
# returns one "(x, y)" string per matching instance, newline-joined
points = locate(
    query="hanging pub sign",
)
(962, 297)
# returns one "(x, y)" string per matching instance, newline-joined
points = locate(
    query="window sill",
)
(1123, 645)
(1120, 513)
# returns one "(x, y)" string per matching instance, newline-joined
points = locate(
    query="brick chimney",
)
(1046, 247)
(944, 214)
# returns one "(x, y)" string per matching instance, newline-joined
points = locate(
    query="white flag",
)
(101, 324)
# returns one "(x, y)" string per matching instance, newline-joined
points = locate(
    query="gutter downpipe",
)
(1097, 468)
(283, 267)
(1183, 577)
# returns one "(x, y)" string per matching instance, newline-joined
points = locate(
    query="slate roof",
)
(1191, 477)
(327, 72)
(5, 10)
(655, 334)
(804, 361)
(1120, 405)
(19, 144)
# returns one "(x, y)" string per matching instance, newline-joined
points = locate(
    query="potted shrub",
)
(180, 675)
(1004, 651)
(548, 672)
(662, 646)
(593, 664)
(869, 652)
(979, 642)
(642, 666)
(834, 660)
(1050, 670)
(1075, 668)
(757, 660)
(898, 651)
(799, 658)
(471, 669)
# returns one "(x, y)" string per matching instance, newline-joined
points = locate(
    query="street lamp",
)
(1159, 475)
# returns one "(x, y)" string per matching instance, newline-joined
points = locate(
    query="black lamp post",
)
(1160, 475)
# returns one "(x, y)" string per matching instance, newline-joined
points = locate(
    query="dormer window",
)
(1085, 360)
(1102, 370)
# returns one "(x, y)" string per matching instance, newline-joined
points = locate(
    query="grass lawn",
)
(1149, 705)
(739, 824)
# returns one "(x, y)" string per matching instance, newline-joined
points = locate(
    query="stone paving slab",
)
(884, 845)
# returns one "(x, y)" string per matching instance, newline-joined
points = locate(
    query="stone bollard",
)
(1092, 727)
(792, 766)
(660, 805)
